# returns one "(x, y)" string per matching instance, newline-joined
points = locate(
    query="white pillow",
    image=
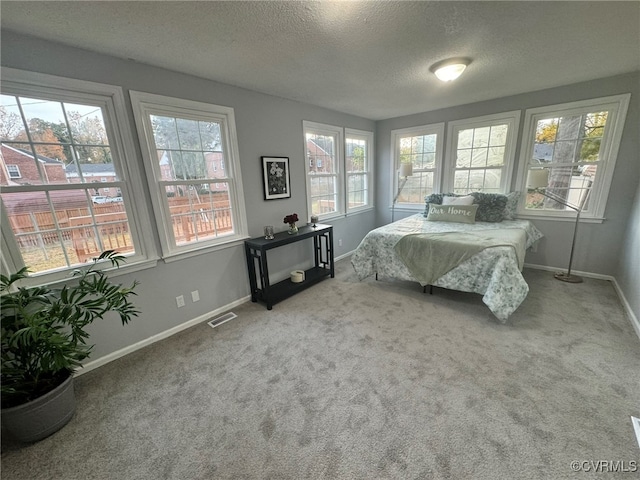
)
(468, 200)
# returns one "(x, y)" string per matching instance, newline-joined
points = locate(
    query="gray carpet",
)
(363, 380)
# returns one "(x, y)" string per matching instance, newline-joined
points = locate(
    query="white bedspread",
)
(493, 272)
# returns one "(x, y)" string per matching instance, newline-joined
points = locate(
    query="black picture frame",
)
(276, 178)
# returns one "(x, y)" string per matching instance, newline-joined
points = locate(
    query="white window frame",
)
(617, 105)
(146, 104)
(369, 170)
(111, 99)
(511, 119)
(16, 169)
(396, 135)
(338, 134)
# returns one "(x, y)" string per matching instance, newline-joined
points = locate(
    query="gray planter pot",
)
(43, 416)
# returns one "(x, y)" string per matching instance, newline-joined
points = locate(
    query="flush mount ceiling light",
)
(448, 70)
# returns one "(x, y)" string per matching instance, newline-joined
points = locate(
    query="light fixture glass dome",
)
(451, 69)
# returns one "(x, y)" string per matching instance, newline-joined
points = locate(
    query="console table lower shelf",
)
(286, 288)
(256, 252)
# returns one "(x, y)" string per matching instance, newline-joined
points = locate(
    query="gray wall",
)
(599, 245)
(628, 273)
(266, 125)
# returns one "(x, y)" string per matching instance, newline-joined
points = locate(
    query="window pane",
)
(419, 150)
(546, 130)
(357, 191)
(569, 128)
(320, 152)
(323, 195)
(461, 181)
(479, 157)
(496, 156)
(419, 185)
(481, 137)
(188, 134)
(465, 138)
(210, 135)
(498, 135)
(46, 227)
(356, 155)
(86, 124)
(165, 132)
(490, 182)
(464, 158)
(199, 212)
(10, 118)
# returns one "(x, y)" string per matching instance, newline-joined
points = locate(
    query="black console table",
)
(256, 251)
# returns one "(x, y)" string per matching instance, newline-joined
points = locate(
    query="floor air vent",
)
(222, 319)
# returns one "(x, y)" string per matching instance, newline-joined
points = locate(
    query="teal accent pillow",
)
(490, 206)
(452, 213)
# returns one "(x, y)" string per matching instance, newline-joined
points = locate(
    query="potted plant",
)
(44, 339)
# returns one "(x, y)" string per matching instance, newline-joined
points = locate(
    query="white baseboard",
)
(632, 317)
(634, 320)
(344, 255)
(155, 338)
(576, 272)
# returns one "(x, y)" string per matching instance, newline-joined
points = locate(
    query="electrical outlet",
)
(195, 296)
(180, 301)
(339, 242)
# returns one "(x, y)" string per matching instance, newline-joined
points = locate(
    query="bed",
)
(494, 271)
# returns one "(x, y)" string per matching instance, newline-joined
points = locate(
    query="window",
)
(480, 153)
(339, 173)
(577, 145)
(323, 149)
(182, 141)
(13, 171)
(58, 131)
(358, 167)
(422, 147)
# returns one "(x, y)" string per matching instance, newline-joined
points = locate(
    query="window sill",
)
(173, 257)
(563, 218)
(338, 216)
(65, 276)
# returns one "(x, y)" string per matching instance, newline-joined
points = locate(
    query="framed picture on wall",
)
(275, 173)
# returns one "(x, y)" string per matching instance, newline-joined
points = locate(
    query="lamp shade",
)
(406, 169)
(538, 178)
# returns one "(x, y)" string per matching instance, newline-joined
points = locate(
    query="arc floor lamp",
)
(538, 181)
(404, 172)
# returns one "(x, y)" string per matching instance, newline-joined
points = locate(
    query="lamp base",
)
(566, 277)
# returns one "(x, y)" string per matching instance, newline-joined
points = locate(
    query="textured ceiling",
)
(368, 58)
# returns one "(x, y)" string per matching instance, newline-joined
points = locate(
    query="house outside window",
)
(181, 142)
(576, 145)
(49, 223)
(359, 169)
(480, 153)
(13, 171)
(421, 146)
